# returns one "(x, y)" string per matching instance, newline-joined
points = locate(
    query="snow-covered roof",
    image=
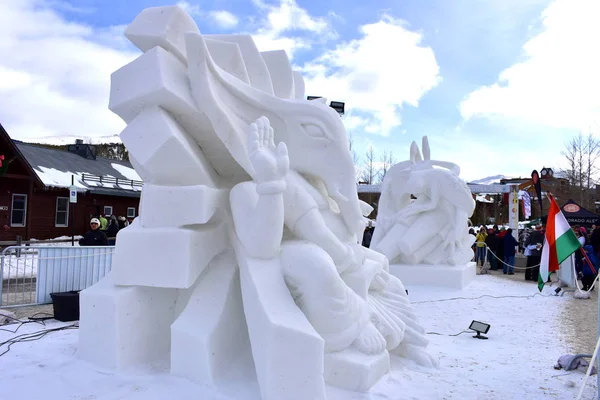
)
(483, 199)
(55, 168)
(369, 188)
(475, 188)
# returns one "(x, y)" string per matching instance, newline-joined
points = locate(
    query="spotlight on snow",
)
(557, 291)
(479, 327)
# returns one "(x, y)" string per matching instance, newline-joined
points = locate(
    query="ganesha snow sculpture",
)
(250, 157)
(423, 212)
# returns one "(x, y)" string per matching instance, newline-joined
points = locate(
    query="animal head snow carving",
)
(313, 132)
(219, 84)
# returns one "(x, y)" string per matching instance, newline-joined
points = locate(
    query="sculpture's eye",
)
(313, 130)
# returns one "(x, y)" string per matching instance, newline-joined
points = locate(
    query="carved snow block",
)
(449, 276)
(255, 65)
(156, 78)
(229, 58)
(281, 73)
(166, 257)
(211, 332)
(162, 205)
(161, 26)
(288, 353)
(125, 326)
(299, 87)
(355, 371)
(140, 170)
(165, 151)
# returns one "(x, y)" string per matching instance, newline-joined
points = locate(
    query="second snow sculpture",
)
(423, 213)
(262, 226)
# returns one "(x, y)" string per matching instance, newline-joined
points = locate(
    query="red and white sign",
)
(572, 208)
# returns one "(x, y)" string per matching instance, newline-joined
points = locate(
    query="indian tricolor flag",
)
(559, 244)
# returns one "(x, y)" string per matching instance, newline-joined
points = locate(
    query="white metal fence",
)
(29, 274)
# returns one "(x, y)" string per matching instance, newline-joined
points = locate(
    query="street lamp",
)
(338, 106)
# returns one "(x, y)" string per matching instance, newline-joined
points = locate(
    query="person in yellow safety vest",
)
(103, 223)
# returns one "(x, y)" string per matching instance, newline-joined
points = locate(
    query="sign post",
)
(72, 202)
(513, 210)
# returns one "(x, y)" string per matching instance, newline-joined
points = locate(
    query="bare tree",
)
(369, 170)
(592, 152)
(355, 157)
(574, 154)
(387, 160)
(581, 154)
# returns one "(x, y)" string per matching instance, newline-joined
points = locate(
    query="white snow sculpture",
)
(423, 214)
(248, 228)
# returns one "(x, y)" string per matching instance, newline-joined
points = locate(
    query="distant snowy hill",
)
(490, 180)
(65, 140)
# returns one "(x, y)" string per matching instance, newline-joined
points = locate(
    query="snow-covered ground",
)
(525, 341)
(26, 265)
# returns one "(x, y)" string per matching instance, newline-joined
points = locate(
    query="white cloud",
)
(376, 75)
(56, 81)
(286, 26)
(224, 19)
(192, 9)
(558, 82)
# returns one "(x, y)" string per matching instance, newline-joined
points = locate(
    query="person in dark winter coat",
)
(367, 235)
(587, 273)
(534, 257)
(94, 237)
(509, 252)
(492, 244)
(595, 240)
(112, 230)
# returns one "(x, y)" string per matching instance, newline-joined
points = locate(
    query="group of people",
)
(103, 230)
(498, 244)
(501, 245)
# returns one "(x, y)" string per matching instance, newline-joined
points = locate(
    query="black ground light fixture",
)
(479, 327)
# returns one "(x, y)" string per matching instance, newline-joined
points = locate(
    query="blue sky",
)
(498, 86)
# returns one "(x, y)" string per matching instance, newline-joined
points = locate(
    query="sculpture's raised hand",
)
(269, 163)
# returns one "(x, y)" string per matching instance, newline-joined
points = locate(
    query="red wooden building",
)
(34, 189)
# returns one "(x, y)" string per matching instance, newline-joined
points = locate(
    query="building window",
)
(131, 212)
(108, 211)
(19, 210)
(62, 212)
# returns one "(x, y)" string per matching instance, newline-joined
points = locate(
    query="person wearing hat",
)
(94, 237)
(533, 247)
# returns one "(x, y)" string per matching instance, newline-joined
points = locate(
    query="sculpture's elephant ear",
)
(164, 27)
(210, 85)
(257, 69)
(299, 88)
(426, 149)
(415, 154)
(280, 69)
